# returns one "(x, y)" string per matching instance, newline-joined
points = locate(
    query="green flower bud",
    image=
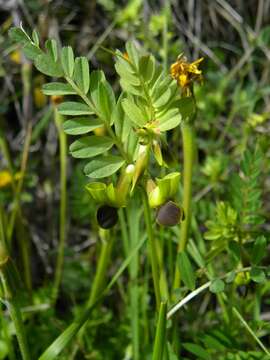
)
(242, 278)
(98, 192)
(169, 214)
(107, 216)
(124, 184)
(141, 164)
(165, 189)
(157, 152)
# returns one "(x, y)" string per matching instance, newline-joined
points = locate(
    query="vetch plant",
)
(123, 139)
(135, 126)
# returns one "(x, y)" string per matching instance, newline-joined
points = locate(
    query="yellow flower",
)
(39, 98)
(16, 56)
(6, 178)
(186, 73)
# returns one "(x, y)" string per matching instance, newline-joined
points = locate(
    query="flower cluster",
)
(186, 73)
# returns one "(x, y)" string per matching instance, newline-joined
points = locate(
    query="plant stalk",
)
(189, 152)
(103, 261)
(9, 279)
(63, 205)
(160, 337)
(153, 251)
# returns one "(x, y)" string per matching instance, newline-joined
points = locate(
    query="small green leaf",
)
(90, 146)
(186, 270)
(74, 108)
(230, 278)
(18, 35)
(31, 51)
(96, 77)
(57, 88)
(106, 101)
(147, 67)
(125, 70)
(51, 46)
(81, 74)
(133, 54)
(217, 286)
(45, 64)
(80, 126)
(197, 350)
(67, 60)
(169, 120)
(103, 166)
(257, 275)
(163, 98)
(35, 37)
(259, 250)
(134, 112)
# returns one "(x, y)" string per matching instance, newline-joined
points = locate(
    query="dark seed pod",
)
(107, 216)
(242, 290)
(169, 214)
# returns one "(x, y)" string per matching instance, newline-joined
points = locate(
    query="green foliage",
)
(103, 166)
(217, 286)
(151, 104)
(111, 126)
(90, 146)
(186, 270)
(246, 191)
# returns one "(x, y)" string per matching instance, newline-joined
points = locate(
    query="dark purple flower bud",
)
(169, 214)
(107, 216)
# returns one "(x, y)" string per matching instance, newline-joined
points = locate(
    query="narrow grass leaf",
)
(69, 334)
(186, 270)
(160, 337)
(197, 350)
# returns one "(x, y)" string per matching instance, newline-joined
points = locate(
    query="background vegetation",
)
(231, 192)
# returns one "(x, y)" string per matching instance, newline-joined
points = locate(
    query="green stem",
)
(16, 317)
(103, 262)
(25, 251)
(9, 280)
(252, 333)
(98, 287)
(63, 205)
(19, 187)
(153, 252)
(160, 337)
(7, 339)
(188, 136)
